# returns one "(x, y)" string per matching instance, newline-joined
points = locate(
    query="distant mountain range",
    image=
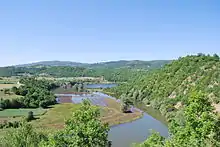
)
(119, 71)
(111, 64)
(52, 63)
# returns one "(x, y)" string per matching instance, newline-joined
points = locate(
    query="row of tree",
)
(74, 86)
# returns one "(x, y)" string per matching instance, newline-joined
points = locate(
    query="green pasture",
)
(21, 112)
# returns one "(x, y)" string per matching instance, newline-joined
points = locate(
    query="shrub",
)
(43, 104)
(15, 104)
(14, 89)
(30, 116)
(124, 108)
(6, 91)
(6, 124)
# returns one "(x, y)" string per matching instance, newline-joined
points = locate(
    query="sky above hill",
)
(98, 30)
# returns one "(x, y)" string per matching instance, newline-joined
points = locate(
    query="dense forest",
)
(119, 71)
(201, 126)
(110, 64)
(33, 94)
(167, 88)
(110, 74)
(187, 93)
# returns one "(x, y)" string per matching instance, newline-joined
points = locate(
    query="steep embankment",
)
(167, 89)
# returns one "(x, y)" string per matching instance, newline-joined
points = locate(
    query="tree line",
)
(33, 94)
(109, 74)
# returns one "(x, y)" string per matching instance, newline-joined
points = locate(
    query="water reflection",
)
(124, 135)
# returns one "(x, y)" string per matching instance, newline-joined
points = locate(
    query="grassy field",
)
(8, 96)
(20, 112)
(113, 115)
(13, 82)
(54, 118)
(9, 80)
(3, 86)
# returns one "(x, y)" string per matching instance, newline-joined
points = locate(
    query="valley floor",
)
(53, 118)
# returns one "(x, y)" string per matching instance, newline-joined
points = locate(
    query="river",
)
(94, 86)
(124, 135)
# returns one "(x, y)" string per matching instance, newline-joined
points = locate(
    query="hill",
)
(137, 64)
(52, 63)
(111, 64)
(110, 74)
(167, 88)
(116, 71)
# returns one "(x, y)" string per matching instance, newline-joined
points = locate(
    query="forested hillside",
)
(115, 71)
(110, 64)
(110, 74)
(52, 63)
(167, 89)
(135, 64)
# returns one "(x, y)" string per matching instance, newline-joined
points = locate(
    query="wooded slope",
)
(167, 89)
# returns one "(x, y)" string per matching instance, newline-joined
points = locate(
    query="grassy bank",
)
(20, 112)
(53, 119)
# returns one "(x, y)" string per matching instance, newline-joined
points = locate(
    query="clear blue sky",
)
(103, 30)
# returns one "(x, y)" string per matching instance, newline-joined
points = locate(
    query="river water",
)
(124, 135)
(94, 86)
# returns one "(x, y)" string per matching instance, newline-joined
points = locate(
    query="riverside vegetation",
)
(186, 91)
(76, 132)
(170, 89)
(22, 117)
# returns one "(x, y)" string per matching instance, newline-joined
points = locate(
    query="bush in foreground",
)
(200, 129)
(30, 116)
(84, 129)
(24, 136)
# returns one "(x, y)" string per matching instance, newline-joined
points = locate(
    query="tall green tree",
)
(84, 129)
(125, 103)
(155, 140)
(24, 136)
(201, 127)
(201, 124)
